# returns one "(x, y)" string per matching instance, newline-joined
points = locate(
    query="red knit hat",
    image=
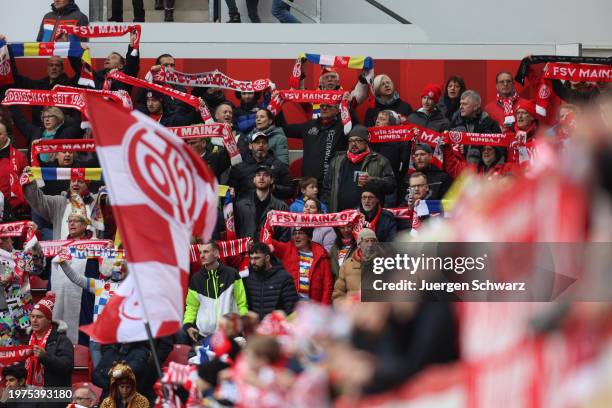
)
(433, 91)
(45, 305)
(528, 106)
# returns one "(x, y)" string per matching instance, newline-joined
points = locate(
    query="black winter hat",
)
(374, 188)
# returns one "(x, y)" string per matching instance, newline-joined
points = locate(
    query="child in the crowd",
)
(308, 189)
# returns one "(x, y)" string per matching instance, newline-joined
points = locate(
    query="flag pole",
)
(149, 334)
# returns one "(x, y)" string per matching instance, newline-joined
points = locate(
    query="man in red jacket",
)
(503, 109)
(309, 265)
(12, 163)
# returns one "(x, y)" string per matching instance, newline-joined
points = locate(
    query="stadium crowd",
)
(279, 323)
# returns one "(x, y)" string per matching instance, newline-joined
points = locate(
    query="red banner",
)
(481, 139)
(40, 146)
(14, 354)
(410, 132)
(578, 72)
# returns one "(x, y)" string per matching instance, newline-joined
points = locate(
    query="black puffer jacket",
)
(434, 121)
(241, 176)
(58, 360)
(70, 15)
(270, 290)
(321, 142)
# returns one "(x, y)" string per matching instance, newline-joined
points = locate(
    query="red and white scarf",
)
(578, 72)
(290, 219)
(507, 103)
(53, 248)
(223, 130)
(319, 97)
(227, 249)
(14, 184)
(357, 158)
(214, 78)
(372, 224)
(121, 97)
(197, 103)
(35, 97)
(13, 229)
(41, 146)
(36, 371)
(6, 74)
(13, 354)
(104, 31)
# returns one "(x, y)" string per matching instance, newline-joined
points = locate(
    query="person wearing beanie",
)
(308, 263)
(471, 118)
(439, 181)
(157, 110)
(350, 171)
(70, 214)
(386, 98)
(349, 277)
(52, 359)
(429, 115)
(503, 108)
(123, 393)
(379, 220)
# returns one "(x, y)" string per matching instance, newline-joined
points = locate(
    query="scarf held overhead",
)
(191, 100)
(318, 97)
(214, 78)
(53, 248)
(578, 72)
(354, 62)
(526, 62)
(41, 146)
(103, 31)
(58, 49)
(121, 97)
(14, 354)
(34, 97)
(213, 129)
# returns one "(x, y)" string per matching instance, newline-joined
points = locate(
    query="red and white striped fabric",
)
(162, 194)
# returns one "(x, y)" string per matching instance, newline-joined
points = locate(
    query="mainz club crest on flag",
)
(162, 194)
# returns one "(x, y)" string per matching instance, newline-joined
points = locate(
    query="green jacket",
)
(211, 295)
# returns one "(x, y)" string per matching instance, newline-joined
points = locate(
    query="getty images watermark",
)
(459, 265)
(480, 272)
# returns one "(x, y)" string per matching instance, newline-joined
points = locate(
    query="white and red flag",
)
(162, 194)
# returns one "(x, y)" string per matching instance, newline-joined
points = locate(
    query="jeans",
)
(251, 8)
(281, 11)
(95, 351)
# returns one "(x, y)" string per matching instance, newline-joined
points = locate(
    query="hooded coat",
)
(69, 15)
(58, 361)
(119, 373)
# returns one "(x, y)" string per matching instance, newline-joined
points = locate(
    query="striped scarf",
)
(61, 173)
(356, 62)
(57, 49)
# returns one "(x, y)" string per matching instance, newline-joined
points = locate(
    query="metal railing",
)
(98, 10)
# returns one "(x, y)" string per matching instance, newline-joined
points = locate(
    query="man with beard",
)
(268, 287)
(439, 181)
(350, 171)
(379, 220)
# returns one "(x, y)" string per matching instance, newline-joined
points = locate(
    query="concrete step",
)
(180, 16)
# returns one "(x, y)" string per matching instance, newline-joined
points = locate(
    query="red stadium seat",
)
(38, 287)
(295, 168)
(178, 355)
(97, 390)
(82, 365)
